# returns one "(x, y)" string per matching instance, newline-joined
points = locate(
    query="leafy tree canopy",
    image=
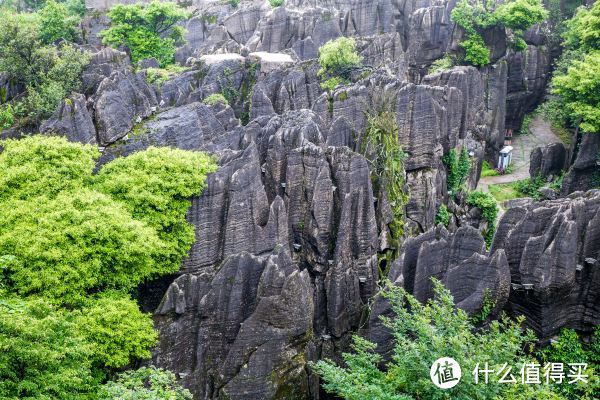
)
(422, 334)
(74, 234)
(72, 246)
(576, 80)
(476, 16)
(338, 56)
(42, 355)
(146, 31)
(56, 22)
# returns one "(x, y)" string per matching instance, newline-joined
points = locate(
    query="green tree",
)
(422, 334)
(146, 31)
(458, 168)
(145, 383)
(568, 348)
(477, 16)
(156, 186)
(579, 89)
(118, 331)
(338, 57)
(75, 234)
(56, 23)
(82, 242)
(42, 356)
(489, 210)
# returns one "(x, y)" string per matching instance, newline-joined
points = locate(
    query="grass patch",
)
(504, 191)
(487, 170)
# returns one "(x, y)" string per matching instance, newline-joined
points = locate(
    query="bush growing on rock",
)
(489, 210)
(42, 356)
(49, 73)
(423, 333)
(144, 383)
(146, 31)
(477, 16)
(214, 99)
(337, 57)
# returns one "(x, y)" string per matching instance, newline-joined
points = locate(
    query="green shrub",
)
(457, 168)
(146, 31)
(423, 333)
(487, 170)
(442, 64)
(442, 216)
(337, 57)
(276, 3)
(382, 147)
(489, 210)
(214, 99)
(118, 331)
(159, 76)
(477, 16)
(7, 116)
(530, 187)
(568, 348)
(83, 242)
(56, 23)
(233, 3)
(331, 83)
(145, 383)
(43, 356)
(74, 234)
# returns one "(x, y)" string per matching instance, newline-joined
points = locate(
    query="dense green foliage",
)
(442, 216)
(49, 73)
(144, 384)
(568, 348)
(442, 64)
(423, 333)
(576, 81)
(214, 99)
(477, 16)
(42, 356)
(338, 57)
(489, 210)
(458, 167)
(530, 187)
(146, 31)
(82, 242)
(56, 22)
(117, 330)
(487, 170)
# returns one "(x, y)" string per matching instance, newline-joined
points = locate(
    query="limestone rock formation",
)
(553, 251)
(547, 160)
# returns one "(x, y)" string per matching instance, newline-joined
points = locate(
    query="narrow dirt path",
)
(540, 135)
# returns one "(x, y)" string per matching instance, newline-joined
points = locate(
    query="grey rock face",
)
(553, 248)
(120, 100)
(459, 261)
(547, 160)
(72, 120)
(585, 171)
(528, 74)
(247, 324)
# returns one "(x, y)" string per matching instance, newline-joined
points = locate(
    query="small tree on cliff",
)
(477, 16)
(147, 31)
(424, 333)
